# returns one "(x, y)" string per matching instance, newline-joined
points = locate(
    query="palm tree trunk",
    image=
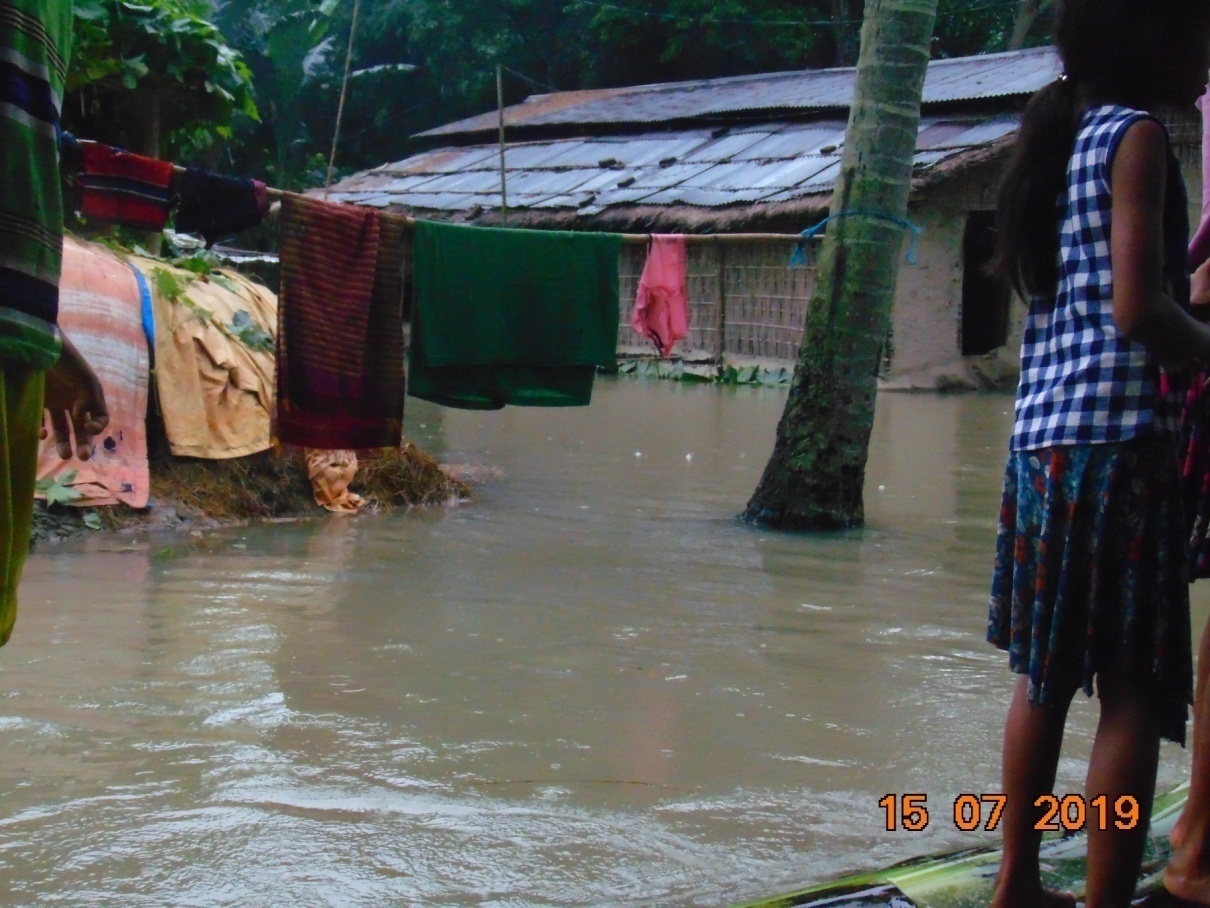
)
(815, 476)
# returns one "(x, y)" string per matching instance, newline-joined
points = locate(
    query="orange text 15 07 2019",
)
(1067, 813)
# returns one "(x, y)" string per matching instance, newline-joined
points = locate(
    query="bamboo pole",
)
(500, 115)
(726, 239)
(720, 324)
(344, 90)
(629, 239)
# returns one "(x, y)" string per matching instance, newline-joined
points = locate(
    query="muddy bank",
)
(188, 494)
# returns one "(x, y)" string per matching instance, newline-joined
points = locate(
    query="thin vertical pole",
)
(722, 306)
(500, 111)
(344, 91)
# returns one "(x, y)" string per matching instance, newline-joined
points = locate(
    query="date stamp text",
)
(1069, 813)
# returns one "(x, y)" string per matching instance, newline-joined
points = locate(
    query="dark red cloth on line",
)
(384, 355)
(213, 206)
(123, 188)
(1195, 475)
(340, 374)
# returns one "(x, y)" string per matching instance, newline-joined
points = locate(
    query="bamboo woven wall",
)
(766, 302)
(763, 302)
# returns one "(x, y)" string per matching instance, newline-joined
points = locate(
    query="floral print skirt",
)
(1090, 572)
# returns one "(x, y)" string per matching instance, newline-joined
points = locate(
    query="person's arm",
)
(1141, 309)
(1199, 292)
(74, 397)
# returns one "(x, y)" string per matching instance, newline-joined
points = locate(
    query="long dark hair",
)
(1122, 51)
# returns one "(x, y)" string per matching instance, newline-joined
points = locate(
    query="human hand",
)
(74, 398)
(1199, 290)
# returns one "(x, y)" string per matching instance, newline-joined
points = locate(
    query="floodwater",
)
(590, 686)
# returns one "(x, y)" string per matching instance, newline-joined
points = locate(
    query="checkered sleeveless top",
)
(1082, 381)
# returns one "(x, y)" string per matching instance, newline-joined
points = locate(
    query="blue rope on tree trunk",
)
(800, 258)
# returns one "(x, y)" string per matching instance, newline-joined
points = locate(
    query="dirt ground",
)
(191, 494)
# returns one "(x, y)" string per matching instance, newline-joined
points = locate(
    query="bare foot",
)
(1177, 836)
(1185, 883)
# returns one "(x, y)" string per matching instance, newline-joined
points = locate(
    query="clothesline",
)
(627, 238)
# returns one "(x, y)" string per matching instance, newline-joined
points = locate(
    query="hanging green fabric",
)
(521, 317)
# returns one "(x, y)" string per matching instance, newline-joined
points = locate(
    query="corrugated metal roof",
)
(758, 163)
(727, 147)
(793, 141)
(1015, 73)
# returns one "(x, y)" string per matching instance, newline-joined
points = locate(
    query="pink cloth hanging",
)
(661, 309)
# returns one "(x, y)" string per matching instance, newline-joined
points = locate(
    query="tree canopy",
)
(155, 76)
(257, 80)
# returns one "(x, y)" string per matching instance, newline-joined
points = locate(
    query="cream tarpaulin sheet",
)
(100, 310)
(215, 390)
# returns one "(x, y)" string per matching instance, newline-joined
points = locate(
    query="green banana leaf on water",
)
(963, 879)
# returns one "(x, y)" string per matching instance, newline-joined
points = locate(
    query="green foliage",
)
(175, 289)
(201, 261)
(693, 39)
(132, 55)
(57, 489)
(249, 333)
(293, 52)
(168, 285)
(154, 76)
(965, 28)
(771, 374)
(559, 45)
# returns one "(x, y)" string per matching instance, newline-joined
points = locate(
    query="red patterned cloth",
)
(1195, 475)
(123, 188)
(1195, 419)
(340, 381)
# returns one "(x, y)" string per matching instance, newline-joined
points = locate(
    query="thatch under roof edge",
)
(748, 217)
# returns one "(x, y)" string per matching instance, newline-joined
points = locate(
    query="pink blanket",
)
(101, 311)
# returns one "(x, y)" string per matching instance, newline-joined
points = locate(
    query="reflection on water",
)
(592, 686)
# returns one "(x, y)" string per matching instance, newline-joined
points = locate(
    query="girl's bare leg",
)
(1124, 759)
(1033, 738)
(1188, 872)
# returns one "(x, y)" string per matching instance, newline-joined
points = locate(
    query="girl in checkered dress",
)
(1089, 588)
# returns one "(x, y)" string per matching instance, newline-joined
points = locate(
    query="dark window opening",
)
(985, 298)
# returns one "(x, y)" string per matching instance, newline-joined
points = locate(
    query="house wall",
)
(927, 319)
(747, 306)
(1185, 132)
(928, 307)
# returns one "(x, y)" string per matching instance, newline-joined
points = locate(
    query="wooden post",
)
(500, 113)
(344, 91)
(152, 138)
(722, 306)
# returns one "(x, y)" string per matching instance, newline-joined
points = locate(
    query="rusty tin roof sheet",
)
(1015, 73)
(771, 162)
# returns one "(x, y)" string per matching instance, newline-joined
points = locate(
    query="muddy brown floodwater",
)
(590, 686)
